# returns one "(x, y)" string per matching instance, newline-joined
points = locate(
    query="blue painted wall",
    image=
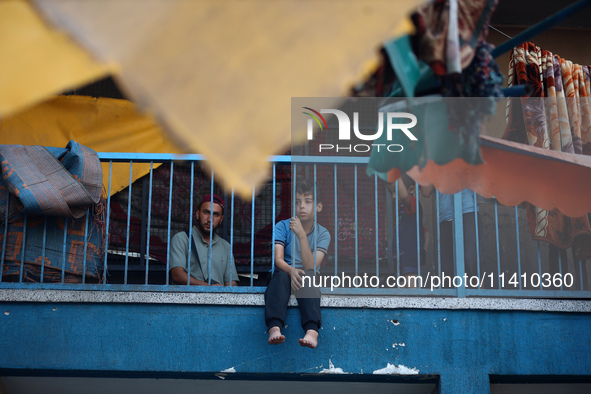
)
(462, 347)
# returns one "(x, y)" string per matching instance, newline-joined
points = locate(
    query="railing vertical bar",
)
(315, 221)
(389, 228)
(419, 229)
(539, 265)
(272, 219)
(581, 274)
(560, 265)
(375, 179)
(497, 241)
(438, 226)
(232, 236)
(294, 186)
(85, 246)
(108, 220)
(518, 246)
(147, 259)
(143, 227)
(44, 248)
(191, 224)
(210, 248)
(23, 249)
(169, 218)
(64, 249)
(5, 233)
(397, 230)
(356, 226)
(293, 205)
(128, 222)
(477, 237)
(252, 237)
(559, 253)
(336, 224)
(458, 239)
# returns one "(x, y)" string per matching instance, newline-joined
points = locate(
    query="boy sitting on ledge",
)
(296, 239)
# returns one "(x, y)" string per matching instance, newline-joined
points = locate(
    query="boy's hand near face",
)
(295, 225)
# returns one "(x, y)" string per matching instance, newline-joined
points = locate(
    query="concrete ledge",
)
(328, 301)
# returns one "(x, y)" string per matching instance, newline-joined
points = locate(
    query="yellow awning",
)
(105, 125)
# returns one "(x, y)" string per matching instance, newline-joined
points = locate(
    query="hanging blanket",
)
(434, 44)
(557, 117)
(447, 127)
(45, 194)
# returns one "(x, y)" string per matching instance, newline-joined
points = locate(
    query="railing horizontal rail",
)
(134, 287)
(126, 157)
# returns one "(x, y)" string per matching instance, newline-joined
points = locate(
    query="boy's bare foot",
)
(310, 339)
(275, 337)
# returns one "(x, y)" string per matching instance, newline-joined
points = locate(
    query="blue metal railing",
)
(499, 272)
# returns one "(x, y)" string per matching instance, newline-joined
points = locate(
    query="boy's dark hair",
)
(306, 186)
(408, 181)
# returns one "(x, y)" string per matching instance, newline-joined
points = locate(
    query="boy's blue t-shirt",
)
(318, 239)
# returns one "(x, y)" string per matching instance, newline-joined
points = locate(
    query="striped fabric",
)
(46, 193)
(45, 186)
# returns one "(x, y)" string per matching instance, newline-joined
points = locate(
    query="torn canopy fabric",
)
(102, 124)
(514, 173)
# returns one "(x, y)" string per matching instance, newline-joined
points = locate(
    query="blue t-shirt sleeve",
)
(281, 232)
(323, 240)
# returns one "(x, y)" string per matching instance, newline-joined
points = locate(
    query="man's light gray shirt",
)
(223, 268)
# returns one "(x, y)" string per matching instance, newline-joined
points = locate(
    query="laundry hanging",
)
(452, 60)
(496, 176)
(448, 32)
(557, 117)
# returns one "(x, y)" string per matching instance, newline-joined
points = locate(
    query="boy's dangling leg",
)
(276, 300)
(311, 320)
(309, 305)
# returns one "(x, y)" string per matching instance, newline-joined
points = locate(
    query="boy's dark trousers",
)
(277, 298)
